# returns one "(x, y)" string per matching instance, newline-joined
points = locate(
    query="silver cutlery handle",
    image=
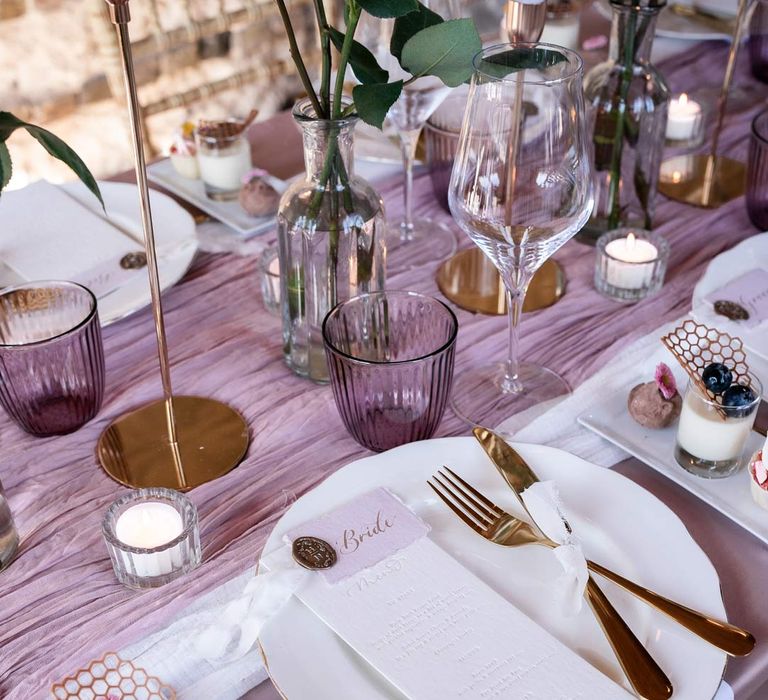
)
(643, 673)
(731, 639)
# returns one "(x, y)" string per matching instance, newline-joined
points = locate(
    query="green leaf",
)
(372, 101)
(445, 50)
(504, 63)
(363, 62)
(5, 166)
(388, 8)
(54, 145)
(410, 24)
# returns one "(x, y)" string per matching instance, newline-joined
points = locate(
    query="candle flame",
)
(683, 100)
(677, 176)
(630, 241)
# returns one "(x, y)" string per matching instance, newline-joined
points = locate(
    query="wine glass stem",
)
(408, 141)
(510, 382)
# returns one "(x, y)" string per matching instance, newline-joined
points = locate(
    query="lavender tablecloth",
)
(60, 604)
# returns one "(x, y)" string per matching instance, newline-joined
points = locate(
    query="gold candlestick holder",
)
(710, 180)
(176, 442)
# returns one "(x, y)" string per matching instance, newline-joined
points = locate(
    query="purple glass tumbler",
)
(757, 172)
(51, 356)
(390, 356)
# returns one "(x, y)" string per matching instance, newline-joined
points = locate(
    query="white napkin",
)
(542, 500)
(237, 626)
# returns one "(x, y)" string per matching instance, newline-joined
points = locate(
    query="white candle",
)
(630, 262)
(562, 31)
(146, 526)
(683, 119)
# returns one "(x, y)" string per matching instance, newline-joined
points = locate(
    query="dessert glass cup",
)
(223, 161)
(710, 443)
(759, 493)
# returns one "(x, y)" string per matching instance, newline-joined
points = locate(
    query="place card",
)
(750, 292)
(426, 623)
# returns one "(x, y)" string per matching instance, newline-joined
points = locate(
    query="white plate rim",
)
(336, 481)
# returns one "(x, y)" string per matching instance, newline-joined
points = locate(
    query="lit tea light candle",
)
(683, 119)
(630, 264)
(152, 537)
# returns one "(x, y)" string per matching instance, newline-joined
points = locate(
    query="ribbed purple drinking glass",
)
(51, 356)
(390, 356)
(757, 172)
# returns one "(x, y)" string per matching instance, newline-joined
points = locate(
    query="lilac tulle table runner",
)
(60, 603)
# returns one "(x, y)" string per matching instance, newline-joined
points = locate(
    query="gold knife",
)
(519, 475)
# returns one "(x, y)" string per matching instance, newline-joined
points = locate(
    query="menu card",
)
(750, 291)
(48, 235)
(431, 627)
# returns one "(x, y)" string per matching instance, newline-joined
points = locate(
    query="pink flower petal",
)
(761, 473)
(665, 380)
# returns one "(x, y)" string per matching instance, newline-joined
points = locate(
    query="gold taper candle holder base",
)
(212, 440)
(470, 280)
(702, 180)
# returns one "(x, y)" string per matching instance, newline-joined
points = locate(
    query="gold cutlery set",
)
(493, 523)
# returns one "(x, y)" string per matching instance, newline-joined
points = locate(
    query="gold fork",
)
(731, 639)
(493, 523)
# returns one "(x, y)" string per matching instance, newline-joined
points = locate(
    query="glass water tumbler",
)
(757, 172)
(9, 537)
(390, 356)
(51, 356)
(758, 41)
(711, 438)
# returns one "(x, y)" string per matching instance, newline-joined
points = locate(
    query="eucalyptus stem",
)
(614, 194)
(297, 59)
(346, 48)
(325, 49)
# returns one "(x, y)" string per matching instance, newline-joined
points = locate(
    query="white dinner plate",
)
(621, 525)
(749, 254)
(675, 26)
(175, 238)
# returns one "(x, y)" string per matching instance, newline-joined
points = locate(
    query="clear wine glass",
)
(426, 239)
(520, 188)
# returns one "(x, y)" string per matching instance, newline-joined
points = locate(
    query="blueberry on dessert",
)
(656, 404)
(738, 396)
(717, 377)
(758, 477)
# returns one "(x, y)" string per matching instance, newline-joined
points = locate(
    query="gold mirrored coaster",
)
(470, 280)
(212, 440)
(702, 180)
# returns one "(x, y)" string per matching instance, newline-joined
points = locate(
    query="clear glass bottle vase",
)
(627, 100)
(331, 239)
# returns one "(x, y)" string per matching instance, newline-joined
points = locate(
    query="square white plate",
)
(229, 213)
(731, 495)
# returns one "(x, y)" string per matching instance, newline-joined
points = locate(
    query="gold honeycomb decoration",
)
(695, 346)
(112, 678)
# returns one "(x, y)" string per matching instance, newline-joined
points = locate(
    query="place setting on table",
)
(434, 567)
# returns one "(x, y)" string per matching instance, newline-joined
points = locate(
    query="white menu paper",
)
(431, 627)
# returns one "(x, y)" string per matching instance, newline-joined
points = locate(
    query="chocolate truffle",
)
(258, 197)
(649, 408)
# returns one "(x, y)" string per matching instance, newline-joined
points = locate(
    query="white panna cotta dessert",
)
(224, 158)
(712, 433)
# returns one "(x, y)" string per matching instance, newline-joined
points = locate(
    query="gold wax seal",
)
(133, 261)
(313, 553)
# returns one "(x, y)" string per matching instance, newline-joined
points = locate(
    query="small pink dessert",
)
(758, 477)
(656, 404)
(257, 196)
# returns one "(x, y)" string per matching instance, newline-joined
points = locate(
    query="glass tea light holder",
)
(685, 122)
(630, 264)
(152, 536)
(269, 272)
(711, 436)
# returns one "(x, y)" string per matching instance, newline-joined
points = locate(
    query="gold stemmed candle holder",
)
(176, 442)
(708, 179)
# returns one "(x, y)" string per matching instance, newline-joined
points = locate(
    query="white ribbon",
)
(239, 624)
(543, 503)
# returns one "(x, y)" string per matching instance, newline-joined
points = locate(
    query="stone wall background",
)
(53, 72)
